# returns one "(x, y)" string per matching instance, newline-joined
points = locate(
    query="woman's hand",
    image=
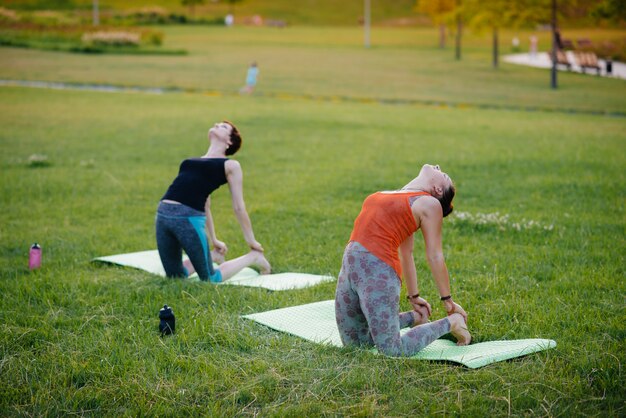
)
(419, 304)
(256, 246)
(420, 315)
(452, 308)
(220, 247)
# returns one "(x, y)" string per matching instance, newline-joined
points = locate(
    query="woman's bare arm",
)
(234, 175)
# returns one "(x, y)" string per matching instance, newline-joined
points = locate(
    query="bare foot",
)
(217, 257)
(261, 262)
(190, 269)
(458, 328)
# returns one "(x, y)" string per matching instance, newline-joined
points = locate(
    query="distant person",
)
(515, 44)
(533, 46)
(251, 78)
(229, 20)
(380, 253)
(184, 220)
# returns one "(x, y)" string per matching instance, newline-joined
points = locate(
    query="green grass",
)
(317, 12)
(402, 64)
(80, 338)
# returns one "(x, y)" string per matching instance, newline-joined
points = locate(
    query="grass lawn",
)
(315, 12)
(80, 338)
(402, 64)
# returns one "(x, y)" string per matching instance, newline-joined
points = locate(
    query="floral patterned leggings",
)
(367, 304)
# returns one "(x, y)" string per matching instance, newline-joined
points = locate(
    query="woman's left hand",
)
(220, 247)
(452, 308)
(256, 246)
(420, 302)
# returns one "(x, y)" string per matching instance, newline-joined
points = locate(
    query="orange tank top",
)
(385, 221)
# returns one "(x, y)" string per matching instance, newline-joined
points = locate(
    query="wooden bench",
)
(567, 44)
(561, 59)
(587, 60)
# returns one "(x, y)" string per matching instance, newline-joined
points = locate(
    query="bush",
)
(114, 38)
(81, 38)
(615, 49)
(50, 18)
(152, 37)
(7, 15)
(153, 15)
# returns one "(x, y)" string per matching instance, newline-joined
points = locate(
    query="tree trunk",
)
(553, 82)
(96, 13)
(459, 29)
(442, 36)
(367, 21)
(495, 47)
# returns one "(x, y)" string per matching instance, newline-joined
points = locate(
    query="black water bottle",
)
(168, 321)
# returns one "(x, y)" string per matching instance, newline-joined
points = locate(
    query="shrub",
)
(8, 15)
(615, 49)
(81, 38)
(38, 160)
(50, 18)
(154, 15)
(152, 37)
(113, 38)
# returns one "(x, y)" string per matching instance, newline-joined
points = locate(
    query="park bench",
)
(276, 23)
(587, 60)
(561, 59)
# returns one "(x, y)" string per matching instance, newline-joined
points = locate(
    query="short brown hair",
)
(446, 200)
(235, 139)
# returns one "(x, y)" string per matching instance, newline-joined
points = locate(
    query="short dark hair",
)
(235, 139)
(446, 200)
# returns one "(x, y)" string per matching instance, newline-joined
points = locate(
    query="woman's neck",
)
(416, 186)
(215, 151)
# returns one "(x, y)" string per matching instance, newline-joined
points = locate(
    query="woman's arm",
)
(408, 266)
(234, 175)
(431, 222)
(410, 274)
(210, 229)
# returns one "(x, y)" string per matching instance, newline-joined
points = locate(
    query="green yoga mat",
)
(316, 322)
(149, 261)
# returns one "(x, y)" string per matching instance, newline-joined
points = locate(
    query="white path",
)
(542, 60)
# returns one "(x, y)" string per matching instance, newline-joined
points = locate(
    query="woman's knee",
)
(216, 277)
(392, 350)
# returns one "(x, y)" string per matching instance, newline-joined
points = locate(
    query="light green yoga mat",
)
(316, 322)
(149, 261)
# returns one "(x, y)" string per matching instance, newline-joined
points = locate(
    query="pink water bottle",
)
(34, 257)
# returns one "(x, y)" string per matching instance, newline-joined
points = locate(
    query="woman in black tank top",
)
(184, 220)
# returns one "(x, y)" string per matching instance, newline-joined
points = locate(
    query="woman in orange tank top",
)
(380, 253)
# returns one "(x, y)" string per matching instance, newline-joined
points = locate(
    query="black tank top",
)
(197, 179)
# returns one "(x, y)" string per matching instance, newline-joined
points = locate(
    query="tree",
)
(192, 5)
(488, 14)
(458, 17)
(441, 12)
(367, 21)
(96, 13)
(231, 5)
(614, 10)
(496, 14)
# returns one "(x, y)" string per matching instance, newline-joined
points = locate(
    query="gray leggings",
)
(367, 304)
(178, 228)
